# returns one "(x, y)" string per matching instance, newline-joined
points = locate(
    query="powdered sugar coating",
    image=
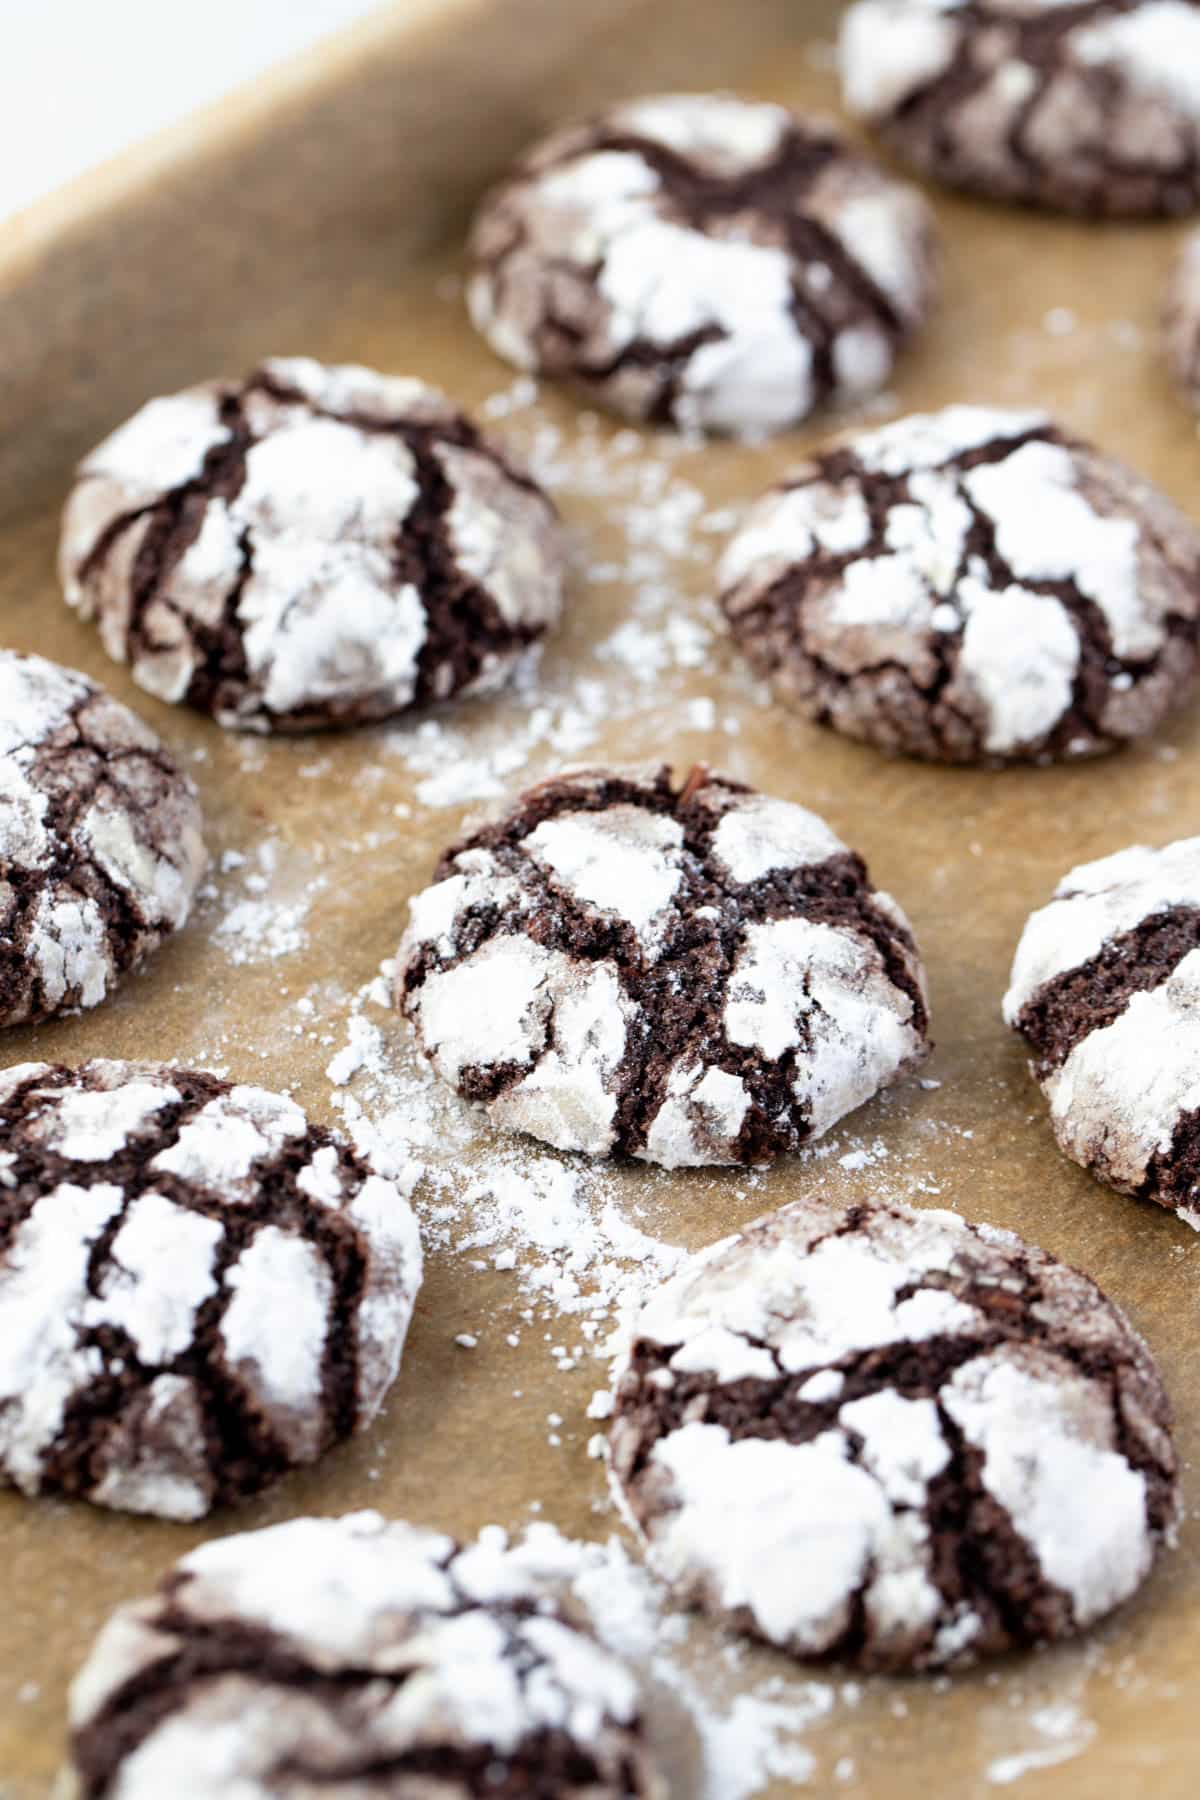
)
(835, 983)
(702, 260)
(623, 861)
(100, 840)
(891, 1437)
(688, 976)
(1105, 987)
(400, 1650)
(198, 1289)
(1154, 46)
(1017, 596)
(1097, 901)
(1090, 106)
(1126, 1089)
(314, 546)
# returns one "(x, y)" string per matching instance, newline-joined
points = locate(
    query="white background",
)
(82, 79)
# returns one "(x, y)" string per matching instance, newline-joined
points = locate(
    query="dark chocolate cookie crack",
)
(1099, 176)
(1070, 1006)
(620, 251)
(70, 772)
(769, 201)
(464, 623)
(543, 1764)
(773, 625)
(681, 983)
(244, 1453)
(980, 1564)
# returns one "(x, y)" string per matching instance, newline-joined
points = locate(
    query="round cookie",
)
(703, 261)
(402, 1664)
(1105, 991)
(1182, 320)
(310, 547)
(1084, 106)
(198, 1289)
(970, 585)
(891, 1438)
(687, 975)
(100, 845)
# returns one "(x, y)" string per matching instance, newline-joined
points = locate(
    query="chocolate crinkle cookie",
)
(970, 586)
(310, 547)
(359, 1657)
(1182, 321)
(198, 1288)
(892, 1438)
(1085, 106)
(1105, 991)
(100, 845)
(703, 261)
(688, 975)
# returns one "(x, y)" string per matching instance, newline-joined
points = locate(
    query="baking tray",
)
(323, 212)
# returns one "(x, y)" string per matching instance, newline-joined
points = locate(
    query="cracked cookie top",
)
(1105, 990)
(703, 261)
(689, 975)
(100, 845)
(892, 1438)
(971, 585)
(198, 1288)
(402, 1663)
(1086, 106)
(310, 547)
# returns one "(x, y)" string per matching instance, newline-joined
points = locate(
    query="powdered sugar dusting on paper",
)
(257, 901)
(1063, 1732)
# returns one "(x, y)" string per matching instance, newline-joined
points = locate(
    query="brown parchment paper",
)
(1035, 311)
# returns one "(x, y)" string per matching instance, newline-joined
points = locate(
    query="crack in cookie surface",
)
(1105, 991)
(689, 974)
(311, 547)
(970, 586)
(100, 841)
(703, 261)
(372, 1676)
(198, 1288)
(1088, 107)
(858, 1435)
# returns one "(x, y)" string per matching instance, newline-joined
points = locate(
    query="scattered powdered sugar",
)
(585, 1255)
(260, 930)
(264, 906)
(464, 763)
(1063, 1732)
(757, 1738)
(738, 1741)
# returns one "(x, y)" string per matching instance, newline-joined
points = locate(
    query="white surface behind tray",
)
(81, 80)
